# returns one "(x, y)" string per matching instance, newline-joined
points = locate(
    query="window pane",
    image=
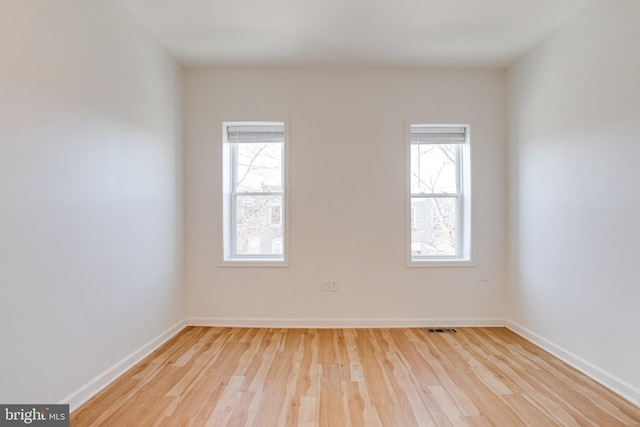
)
(256, 232)
(259, 167)
(433, 168)
(433, 227)
(276, 214)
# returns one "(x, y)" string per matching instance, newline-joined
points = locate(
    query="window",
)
(439, 202)
(254, 191)
(276, 246)
(413, 217)
(276, 214)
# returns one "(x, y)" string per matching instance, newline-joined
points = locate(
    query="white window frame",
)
(463, 256)
(229, 163)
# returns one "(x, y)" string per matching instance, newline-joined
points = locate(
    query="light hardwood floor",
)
(353, 377)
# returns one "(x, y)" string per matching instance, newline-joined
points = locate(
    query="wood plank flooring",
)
(353, 377)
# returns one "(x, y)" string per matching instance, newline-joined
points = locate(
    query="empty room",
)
(306, 213)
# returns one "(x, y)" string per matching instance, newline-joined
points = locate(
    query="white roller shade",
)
(423, 134)
(255, 133)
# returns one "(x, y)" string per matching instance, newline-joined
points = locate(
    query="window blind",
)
(255, 133)
(422, 134)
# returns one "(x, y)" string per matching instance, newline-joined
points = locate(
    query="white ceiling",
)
(482, 33)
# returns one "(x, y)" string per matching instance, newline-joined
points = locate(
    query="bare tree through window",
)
(435, 194)
(256, 158)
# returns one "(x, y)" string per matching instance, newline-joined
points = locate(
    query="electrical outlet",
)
(333, 285)
(325, 285)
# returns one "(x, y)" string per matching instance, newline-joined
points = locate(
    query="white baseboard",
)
(93, 387)
(257, 322)
(615, 384)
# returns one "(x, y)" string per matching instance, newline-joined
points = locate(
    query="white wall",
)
(90, 194)
(347, 199)
(574, 200)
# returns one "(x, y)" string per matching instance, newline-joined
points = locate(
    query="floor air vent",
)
(441, 331)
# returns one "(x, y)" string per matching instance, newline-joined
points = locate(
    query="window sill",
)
(254, 262)
(441, 263)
